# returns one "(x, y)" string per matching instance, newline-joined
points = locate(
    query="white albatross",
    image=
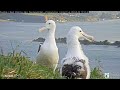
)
(48, 53)
(75, 65)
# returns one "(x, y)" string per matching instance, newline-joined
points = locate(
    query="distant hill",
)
(91, 16)
(37, 17)
(20, 17)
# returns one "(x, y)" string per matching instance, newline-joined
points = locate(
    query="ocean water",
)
(13, 34)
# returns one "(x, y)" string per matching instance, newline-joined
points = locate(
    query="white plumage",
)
(75, 64)
(48, 54)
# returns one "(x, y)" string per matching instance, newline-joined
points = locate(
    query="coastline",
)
(85, 42)
(8, 20)
(2, 20)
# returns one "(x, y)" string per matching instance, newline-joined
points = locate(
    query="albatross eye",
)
(49, 23)
(80, 31)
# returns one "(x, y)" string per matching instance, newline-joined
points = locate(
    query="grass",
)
(19, 67)
(16, 66)
(97, 73)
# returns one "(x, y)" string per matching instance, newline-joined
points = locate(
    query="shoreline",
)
(85, 42)
(3, 20)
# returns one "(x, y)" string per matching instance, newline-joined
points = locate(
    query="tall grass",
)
(16, 66)
(97, 73)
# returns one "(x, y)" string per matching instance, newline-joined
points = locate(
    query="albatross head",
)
(76, 31)
(50, 26)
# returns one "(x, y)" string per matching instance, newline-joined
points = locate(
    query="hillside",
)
(91, 16)
(39, 17)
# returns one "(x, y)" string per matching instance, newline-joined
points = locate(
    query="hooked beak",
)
(42, 29)
(88, 37)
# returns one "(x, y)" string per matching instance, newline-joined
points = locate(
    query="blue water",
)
(22, 34)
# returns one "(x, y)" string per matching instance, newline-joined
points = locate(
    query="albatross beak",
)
(88, 37)
(42, 29)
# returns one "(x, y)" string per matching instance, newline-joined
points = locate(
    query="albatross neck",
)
(50, 36)
(74, 47)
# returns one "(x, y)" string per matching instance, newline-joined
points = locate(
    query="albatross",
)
(75, 65)
(48, 51)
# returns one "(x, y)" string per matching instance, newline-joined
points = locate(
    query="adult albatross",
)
(48, 54)
(75, 65)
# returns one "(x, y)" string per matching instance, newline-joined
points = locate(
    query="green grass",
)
(97, 73)
(19, 67)
(16, 66)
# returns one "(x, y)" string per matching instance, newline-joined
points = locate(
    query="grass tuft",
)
(97, 73)
(20, 67)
